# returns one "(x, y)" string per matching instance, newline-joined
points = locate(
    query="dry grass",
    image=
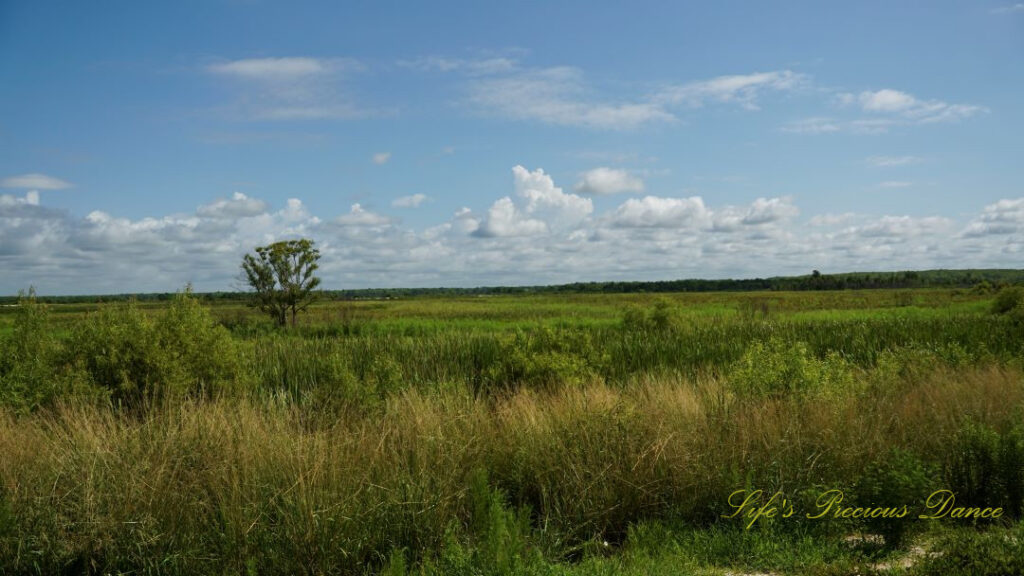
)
(212, 486)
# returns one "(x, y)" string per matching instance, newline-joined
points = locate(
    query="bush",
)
(1008, 299)
(899, 479)
(986, 469)
(972, 466)
(31, 374)
(135, 357)
(658, 318)
(779, 368)
(540, 358)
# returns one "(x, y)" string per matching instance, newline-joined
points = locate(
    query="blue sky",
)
(144, 145)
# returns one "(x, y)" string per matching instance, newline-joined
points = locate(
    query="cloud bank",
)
(539, 233)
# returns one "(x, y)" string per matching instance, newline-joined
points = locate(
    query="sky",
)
(146, 145)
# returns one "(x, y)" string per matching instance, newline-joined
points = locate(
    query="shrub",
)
(1007, 299)
(972, 466)
(658, 318)
(986, 469)
(1011, 469)
(31, 373)
(539, 358)
(135, 357)
(778, 368)
(896, 480)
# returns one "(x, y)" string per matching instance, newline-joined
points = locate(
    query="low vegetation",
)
(511, 435)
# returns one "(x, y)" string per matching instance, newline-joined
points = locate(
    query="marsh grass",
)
(206, 486)
(535, 434)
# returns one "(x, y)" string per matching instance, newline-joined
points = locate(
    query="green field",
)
(548, 433)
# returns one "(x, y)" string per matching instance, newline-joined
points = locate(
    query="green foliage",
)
(660, 317)
(32, 373)
(135, 357)
(1008, 299)
(900, 481)
(540, 358)
(1011, 469)
(971, 553)
(26, 356)
(345, 444)
(281, 274)
(779, 368)
(986, 469)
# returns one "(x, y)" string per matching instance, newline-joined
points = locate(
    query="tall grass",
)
(234, 485)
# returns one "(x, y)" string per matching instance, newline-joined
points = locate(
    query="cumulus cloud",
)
(604, 181)
(655, 212)
(537, 234)
(1003, 217)
(35, 181)
(767, 210)
(359, 216)
(541, 206)
(504, 220)
(411, 201)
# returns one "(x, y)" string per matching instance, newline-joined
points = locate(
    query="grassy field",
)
(526, 434)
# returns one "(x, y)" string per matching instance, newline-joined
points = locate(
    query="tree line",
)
(281, 276)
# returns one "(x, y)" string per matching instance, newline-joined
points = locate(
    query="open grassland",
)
(530, 434)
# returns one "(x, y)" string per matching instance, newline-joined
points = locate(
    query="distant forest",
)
(982, 279)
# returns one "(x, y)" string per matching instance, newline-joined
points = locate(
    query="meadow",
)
(513, 434)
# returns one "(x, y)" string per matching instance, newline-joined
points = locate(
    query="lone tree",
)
(282, 276)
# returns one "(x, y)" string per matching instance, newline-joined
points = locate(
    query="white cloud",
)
(272, 69)
(505, 220)
(815, 125)
(741, 89)
(559, 96)
(886, 101)
(895, 184)
(411, 201)
(537, 234)
(36, 181)
(891, 161)
(767, 210)
(1003, 217)
(1009, 9)
(469, 66)
(542, 207)
(831, 220)
(31, 199)
(906, 106)
(381, 158)
(295, 88)
(656, 212)
(904, 227)
(359, 216)
(238, 206)
(545, 199)
(604, 181)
